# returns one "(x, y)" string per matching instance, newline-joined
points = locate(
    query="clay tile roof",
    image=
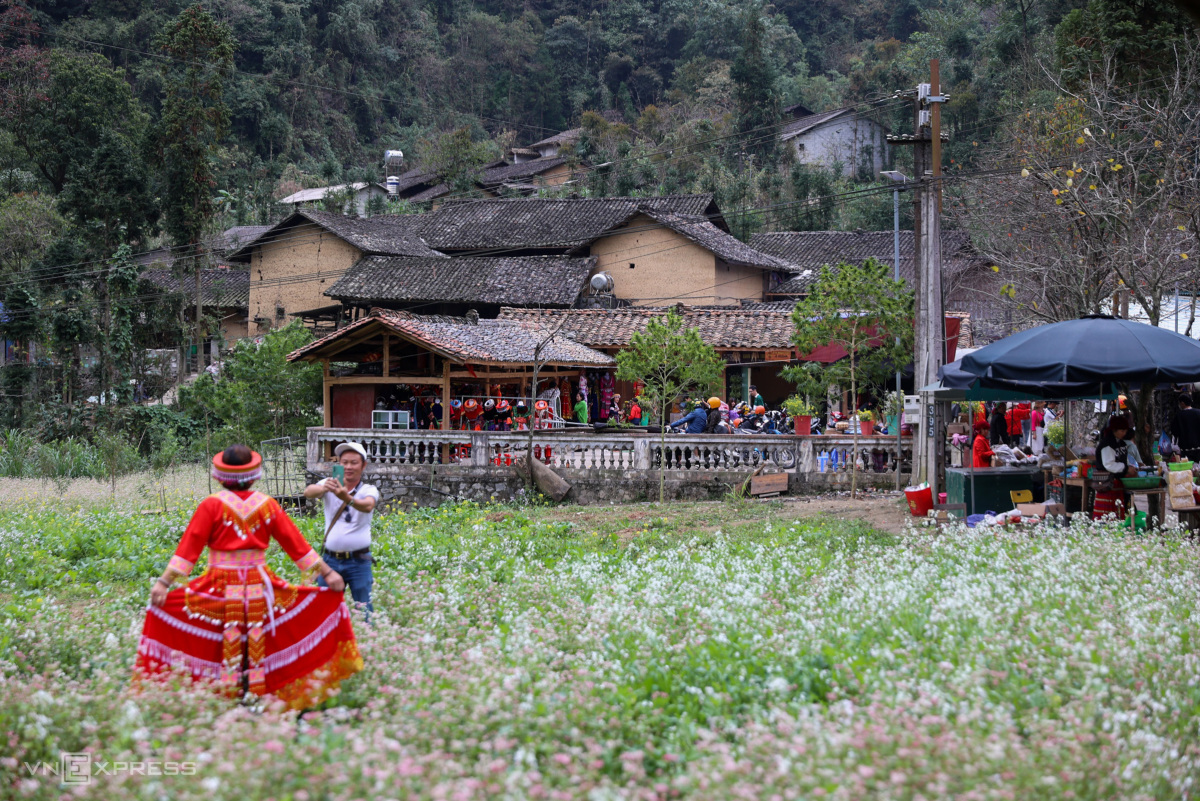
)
(809, 251)
(388, 236)
(724, 328)
(220, 287)
(512, 172)
(713, 239)
(541, 222)
(472, 341)
(516, 280)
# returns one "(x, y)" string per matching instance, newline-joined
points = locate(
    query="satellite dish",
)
(602, 282)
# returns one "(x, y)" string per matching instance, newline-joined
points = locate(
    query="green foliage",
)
(457, 160)
(860, 308)
(1056, 433)
(259, 394)
(65, 114)
(670, 361)
(195, 117)
(755, 85)
(796, 406)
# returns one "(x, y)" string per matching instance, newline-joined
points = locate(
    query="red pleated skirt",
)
(241, 625)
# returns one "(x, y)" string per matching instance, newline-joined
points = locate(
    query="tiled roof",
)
(724, 328)
(514, 172)
(713, 239)
(225, 242)
(432, 193)
(806, 124)
(319, 193)
(388, 236)
(223, 287)
(516, 280)
(811, 250)
(414, 177)
(233, 238)
(542, 222)
(468, 341)
(559, 138)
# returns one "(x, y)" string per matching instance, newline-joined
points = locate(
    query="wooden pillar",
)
(387, 355)
(445, 408)
(328, 412)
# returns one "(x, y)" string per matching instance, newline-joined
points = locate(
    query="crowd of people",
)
(1016, 432)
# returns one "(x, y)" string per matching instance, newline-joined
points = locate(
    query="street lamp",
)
(898, 179)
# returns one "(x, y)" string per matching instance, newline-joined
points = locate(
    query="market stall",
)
(1089, 358)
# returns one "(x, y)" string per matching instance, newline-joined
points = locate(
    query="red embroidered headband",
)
(237, 473)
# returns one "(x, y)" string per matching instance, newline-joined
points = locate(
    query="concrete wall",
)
(303, 251)
(666, 265)
(846, 140)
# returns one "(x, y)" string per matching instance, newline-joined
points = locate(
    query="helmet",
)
(760, 409)
(714, 403)
(541, 406)
(489, 404)
(456, 404)
(503, 406)
(521, 407)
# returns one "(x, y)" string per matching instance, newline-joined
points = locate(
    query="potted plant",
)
(866, 419)
(801, 412)
(893, 407)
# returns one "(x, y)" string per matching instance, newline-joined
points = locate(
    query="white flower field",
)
(514, 655)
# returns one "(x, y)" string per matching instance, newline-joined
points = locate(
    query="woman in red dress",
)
(238, 623)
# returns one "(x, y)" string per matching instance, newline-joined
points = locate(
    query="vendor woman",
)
(1117, 454)
(982, 449)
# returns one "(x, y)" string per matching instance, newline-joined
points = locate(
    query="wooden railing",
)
(392, 451)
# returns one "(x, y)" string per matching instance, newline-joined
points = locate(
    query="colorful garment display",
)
(607, 388)
(239, 623)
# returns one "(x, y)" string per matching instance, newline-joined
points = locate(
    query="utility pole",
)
(927, 235)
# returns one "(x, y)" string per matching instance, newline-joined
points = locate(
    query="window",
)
(280, 313)
(631, 265)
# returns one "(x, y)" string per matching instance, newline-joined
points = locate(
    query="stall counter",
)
(992, 486)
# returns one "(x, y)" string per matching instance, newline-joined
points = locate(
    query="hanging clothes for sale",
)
(607, 388)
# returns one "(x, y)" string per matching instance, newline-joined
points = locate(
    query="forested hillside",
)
(319, 89)
(130, 125)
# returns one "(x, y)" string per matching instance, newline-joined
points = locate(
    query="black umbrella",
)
(1095, 349)
(974, 387)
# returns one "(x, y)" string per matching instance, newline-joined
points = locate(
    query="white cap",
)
(351, 446)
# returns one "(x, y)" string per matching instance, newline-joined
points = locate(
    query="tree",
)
(457, 160)
(670, 361)
(194, 120)
(755, 85)
(863, 310)
(1105, 201)
(259, 394)
(66, 108)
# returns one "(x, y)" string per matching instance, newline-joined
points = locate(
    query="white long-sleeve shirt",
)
(1108, 458)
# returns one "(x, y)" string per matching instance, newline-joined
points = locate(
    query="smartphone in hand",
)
(339, 472)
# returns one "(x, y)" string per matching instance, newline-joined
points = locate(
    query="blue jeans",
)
(358, 577)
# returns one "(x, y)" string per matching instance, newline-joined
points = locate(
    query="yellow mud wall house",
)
(292, 274)
(662, 257)
(652, 265)
(293, 263)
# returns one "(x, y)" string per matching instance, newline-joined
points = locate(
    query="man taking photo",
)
(349, 507)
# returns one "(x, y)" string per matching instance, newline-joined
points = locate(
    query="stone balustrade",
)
(824, 458)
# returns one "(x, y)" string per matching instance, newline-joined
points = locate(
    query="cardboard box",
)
(1041, 509)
